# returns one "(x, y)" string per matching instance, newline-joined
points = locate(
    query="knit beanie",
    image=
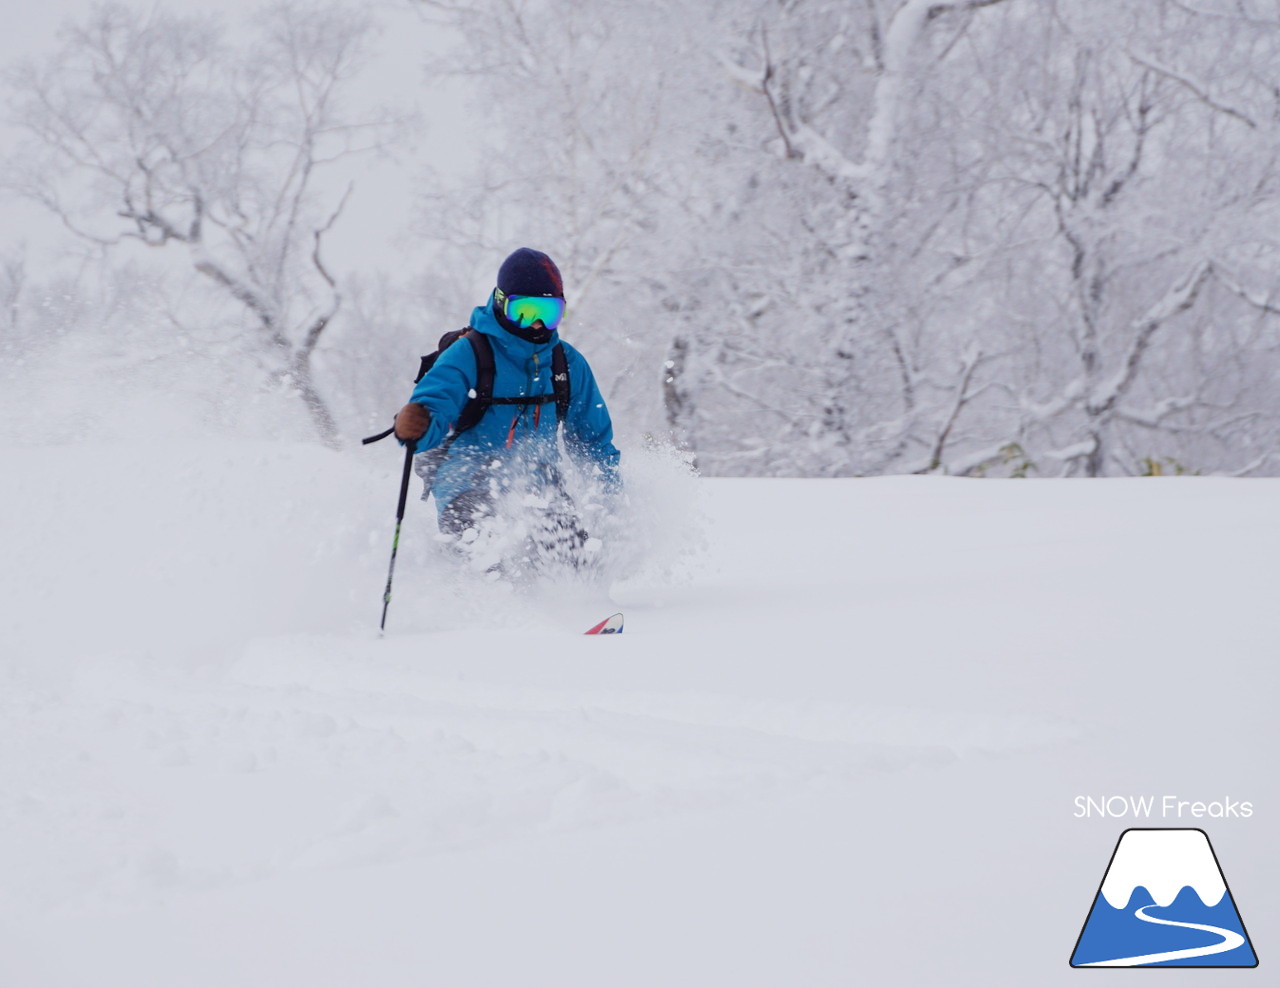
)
(530, 272)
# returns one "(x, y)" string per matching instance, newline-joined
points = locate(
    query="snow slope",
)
(839, 742)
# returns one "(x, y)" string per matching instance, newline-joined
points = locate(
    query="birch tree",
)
(1140, 164)
(166, 131)
(834, 89)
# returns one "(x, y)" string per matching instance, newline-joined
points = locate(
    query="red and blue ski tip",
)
(609, 626)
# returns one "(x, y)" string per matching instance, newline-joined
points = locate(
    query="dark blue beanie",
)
(530, 272)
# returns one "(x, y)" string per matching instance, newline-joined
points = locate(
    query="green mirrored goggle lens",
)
(525, 310)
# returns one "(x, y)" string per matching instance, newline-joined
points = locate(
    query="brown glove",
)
(412, 422)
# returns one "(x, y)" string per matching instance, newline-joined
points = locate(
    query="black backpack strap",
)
(560, 380)
(476, 407)
(483, 397)
(524, 400)
(482, 393)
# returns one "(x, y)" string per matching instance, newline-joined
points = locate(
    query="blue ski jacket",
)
(512, 441)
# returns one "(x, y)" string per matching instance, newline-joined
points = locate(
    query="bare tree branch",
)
(941, 7)
(962, 398)
(1260, 302)
(1195, 88)
(1178, 299)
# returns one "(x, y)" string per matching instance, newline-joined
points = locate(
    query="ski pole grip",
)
(381, 435)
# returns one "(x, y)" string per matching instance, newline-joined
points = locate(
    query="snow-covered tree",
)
(168, 130)
(1126, 231)
(977, 237)
(826, 342)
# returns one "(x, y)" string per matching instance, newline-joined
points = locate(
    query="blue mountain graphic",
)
(1110, 933)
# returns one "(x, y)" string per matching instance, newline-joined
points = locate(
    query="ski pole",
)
(400, 505)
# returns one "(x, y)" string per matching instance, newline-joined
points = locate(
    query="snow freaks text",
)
(1160, 807)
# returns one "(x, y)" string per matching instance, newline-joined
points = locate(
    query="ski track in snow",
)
(312, 753)
(1230, 941)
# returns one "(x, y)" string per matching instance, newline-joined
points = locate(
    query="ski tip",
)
(611, 625)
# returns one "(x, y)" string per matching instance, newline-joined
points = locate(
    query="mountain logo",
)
(1164, 902)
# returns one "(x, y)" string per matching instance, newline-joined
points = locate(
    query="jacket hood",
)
(484, 320)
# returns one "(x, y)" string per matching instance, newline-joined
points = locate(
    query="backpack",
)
(482, 394)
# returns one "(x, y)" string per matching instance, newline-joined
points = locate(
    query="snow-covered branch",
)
(1253, 466)
(1154, 417)
(1263, 303)
(1194, 87)
(1076, 451)
(962, 397)
(940, 7)
(1179, 298)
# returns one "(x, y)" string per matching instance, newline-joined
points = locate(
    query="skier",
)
(480, 423)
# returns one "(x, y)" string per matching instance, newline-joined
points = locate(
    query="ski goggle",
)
(525, 310)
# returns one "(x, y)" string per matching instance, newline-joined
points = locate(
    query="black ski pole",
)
(400, 505)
